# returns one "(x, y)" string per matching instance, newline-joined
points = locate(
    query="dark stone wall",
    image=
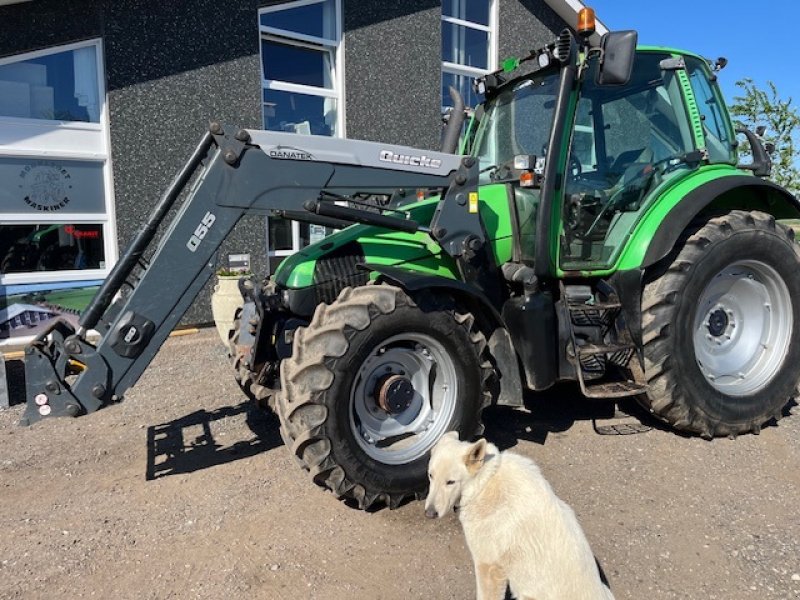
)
(171, 66)
(36, 25)
(393, 71)
(526, 25)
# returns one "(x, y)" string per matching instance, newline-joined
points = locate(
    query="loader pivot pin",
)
(394, 394)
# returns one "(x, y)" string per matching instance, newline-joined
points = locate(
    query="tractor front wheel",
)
(373, 382)
(721, 327)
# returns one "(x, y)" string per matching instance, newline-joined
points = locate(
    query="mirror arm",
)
(762, 164)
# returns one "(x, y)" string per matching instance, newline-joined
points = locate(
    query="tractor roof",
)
(669, 51)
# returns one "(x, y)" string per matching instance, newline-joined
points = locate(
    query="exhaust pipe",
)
(454, 123)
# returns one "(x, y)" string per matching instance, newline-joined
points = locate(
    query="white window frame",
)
(291, 38)
(492, 58)
(335, 46)
(64, 141)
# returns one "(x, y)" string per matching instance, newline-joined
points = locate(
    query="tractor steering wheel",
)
(574, 167)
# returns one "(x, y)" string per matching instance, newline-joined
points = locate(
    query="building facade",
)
(102, 101)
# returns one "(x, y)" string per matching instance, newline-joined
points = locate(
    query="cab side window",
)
(718, 137)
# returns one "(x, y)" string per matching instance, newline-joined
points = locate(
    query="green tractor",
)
(596, 227)
(635, 256)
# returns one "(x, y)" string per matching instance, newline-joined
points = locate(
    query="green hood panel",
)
(415, 251)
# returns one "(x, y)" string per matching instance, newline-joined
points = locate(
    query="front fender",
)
(711, 191)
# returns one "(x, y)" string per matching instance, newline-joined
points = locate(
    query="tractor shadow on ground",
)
(175, 447)
(556, 411)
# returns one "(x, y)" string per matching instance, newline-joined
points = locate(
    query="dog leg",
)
(491, 582)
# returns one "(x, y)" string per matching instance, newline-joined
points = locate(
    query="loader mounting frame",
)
(232, 175)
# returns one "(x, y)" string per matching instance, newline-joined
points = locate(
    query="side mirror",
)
(762, 164)
(618, 51)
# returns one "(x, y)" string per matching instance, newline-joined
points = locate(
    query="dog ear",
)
(475, 455)
(452, 435)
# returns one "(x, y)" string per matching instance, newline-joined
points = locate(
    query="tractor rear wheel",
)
(373, 382)
(721, 324)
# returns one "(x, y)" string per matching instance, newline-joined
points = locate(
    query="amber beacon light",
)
(586, 20)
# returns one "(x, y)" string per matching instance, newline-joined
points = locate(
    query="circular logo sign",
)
(45, 185)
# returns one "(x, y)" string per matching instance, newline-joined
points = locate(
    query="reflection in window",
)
(468, 42)
(476, 11)
(280, 234)
(297, 64)
(50, 247)
(317, 19)
(286, 237)
(465, 46)
(58, 87)
(299, 113)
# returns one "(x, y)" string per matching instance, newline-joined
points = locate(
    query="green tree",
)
(757, 107)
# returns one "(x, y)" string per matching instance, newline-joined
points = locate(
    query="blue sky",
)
(756, 37)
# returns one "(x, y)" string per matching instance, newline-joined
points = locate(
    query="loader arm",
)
(229, 176)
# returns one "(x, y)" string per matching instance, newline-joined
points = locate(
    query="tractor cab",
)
(610, 147)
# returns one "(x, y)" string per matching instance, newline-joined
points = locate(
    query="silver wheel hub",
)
(403, 398)
(742, 327)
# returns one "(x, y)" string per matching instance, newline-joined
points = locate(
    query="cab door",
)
(626, 140)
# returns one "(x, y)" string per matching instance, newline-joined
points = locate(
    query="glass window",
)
(465, 46)
(27, 247)
(43, 186)
(316, 20)
(299, 113)
(55, 214)
(583, 144)
(280, 234)
(297, 64)
(468, 46)
(476, 11)
(625, 141)
(517, 121)
(715, 121)
(62, 86)
(300, 44)
(463, 83)
(301, 91)
(286, 237)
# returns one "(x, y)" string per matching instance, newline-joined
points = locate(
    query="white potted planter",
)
(224, 301)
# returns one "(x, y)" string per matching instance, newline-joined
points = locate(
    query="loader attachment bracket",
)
(52, 360)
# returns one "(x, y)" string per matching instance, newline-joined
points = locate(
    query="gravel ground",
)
(182, 492)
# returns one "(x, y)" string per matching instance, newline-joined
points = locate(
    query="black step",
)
(578, 306)
(613, 389)
(599, 314)
(621, 423)
(595, 349)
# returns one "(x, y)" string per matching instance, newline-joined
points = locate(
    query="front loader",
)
(597, 228)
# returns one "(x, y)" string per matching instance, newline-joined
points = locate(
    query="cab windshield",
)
(517, 121)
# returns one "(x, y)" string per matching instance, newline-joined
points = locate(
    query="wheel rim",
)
(742, 327)
(403, 398)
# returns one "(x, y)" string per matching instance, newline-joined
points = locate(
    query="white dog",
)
(518, 531)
